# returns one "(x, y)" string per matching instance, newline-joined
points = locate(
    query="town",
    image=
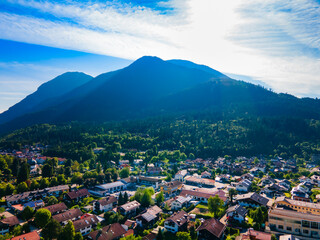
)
(238, 198)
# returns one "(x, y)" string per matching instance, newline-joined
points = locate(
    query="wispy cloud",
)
(276, 42)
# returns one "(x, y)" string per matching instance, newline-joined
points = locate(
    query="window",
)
(305, 231)
(289, 229)
(305, 223)
(314, 225)
(280, 226)
(297, 230)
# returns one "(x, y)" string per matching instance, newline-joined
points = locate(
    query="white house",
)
(105, 204)
(237, 212)
(180, 202)
(244, 185)
(181, 175)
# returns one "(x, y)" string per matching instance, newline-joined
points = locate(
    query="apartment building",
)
(292, 222)
(299, 206)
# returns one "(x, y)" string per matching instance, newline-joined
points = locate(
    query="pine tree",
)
(120, 199)
(125, 198)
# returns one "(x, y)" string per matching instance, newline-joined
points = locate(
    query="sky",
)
(274, 43)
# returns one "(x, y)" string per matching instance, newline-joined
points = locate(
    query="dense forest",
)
(251, 136)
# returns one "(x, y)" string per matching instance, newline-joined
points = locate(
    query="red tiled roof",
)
(214, 226)
(56, 208)
(11, 221)
(68, 215)
(28, 236)
(110, 232)
(79, 193)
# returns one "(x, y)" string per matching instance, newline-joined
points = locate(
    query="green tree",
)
(9, 189)
(52, 230)
(160, 235)
(232, 193)
(52, 200)
(67, 232)
(78, 236)
(42, 217)
(125, 197)
(215, 204)
(22, 187)
(26, 228)
(44, 183)
(159, 198)
(27, 213)
(124, 173)
(47, 171)
(183, 236)
(17, 230)
(24, 172)
(120, 199)
(146, 199)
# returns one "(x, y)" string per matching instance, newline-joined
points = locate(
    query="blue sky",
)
(273, 42)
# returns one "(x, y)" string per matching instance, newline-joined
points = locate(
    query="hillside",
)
(151, 87)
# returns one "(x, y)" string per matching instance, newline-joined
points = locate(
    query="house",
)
(243, 186)
(253, 234)
(248, 176)
(105, 189)
(201, 182)
(237, 213)
(105, 204)
(171, 188)
(211, 229)
(154, 170)
(288, 237)
(130, 182)
(203, 196)
(267, 181)
(251, 200)
(111, 232)
(77, 195)
(177, 222)
(273, 190)
(223, 178)
(129, 209)
(149, 217)
(57, 208)
(293, 222)
(180, 175)
(206, 174)
(149, 181)
(34, 204)
(70, 215)
(7, 224)
(56, 191)
(85, 224)
(27, 236)
(299, 206)
(180, 202)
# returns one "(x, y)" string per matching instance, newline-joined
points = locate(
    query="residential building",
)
(154, 170)
(171, 188)
(180, 202)
(211, 229)
(130, 209)
(57, 208)
(299, 206)
(7, 224)
(206, 174)
(77, 195)
(236, 212)
(244, 185)
(105, 204)
(203, 196)
(177, 222)
(111, 232)
(149, 181)
(84, 225)
(292, 222)
(180, 175)
(251, 200)
(69, 215)
(201, 182)
(27, 236)
(253, 234)
(149, 217)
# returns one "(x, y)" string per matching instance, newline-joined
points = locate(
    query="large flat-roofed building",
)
(292, 222)
(149, 181)
(299, 206)
(104, 189)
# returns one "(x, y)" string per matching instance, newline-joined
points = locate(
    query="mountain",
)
(152, 87)
(46, 95)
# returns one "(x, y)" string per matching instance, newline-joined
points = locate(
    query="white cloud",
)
(271, 41)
